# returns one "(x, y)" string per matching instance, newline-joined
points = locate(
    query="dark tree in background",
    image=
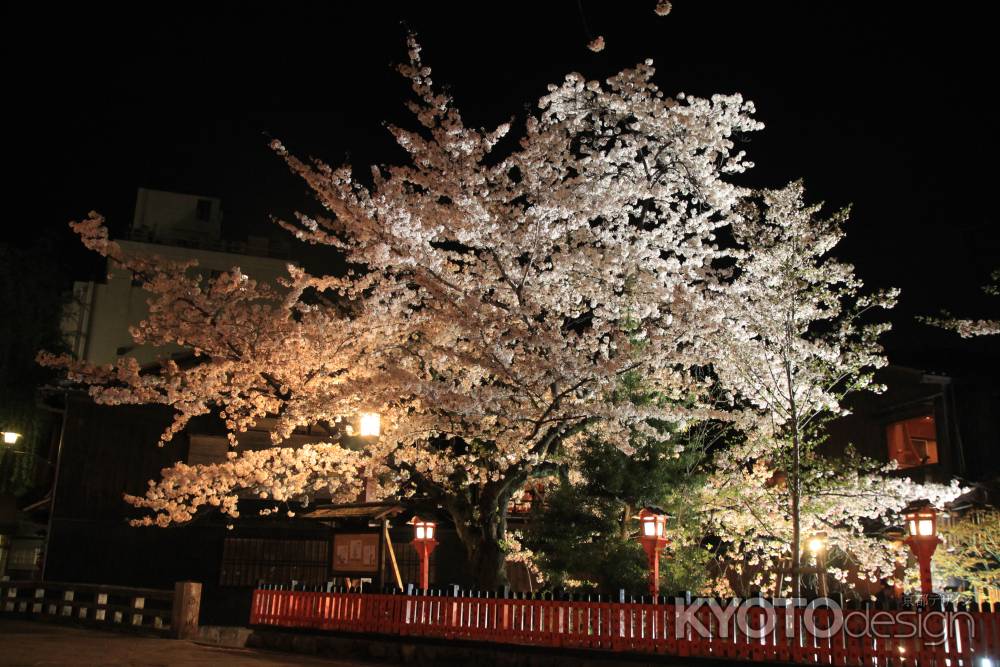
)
(585, 533)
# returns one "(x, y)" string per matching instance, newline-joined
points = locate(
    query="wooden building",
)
(933, 426)
(109, 451)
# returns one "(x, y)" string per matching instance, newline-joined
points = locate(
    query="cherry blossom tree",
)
(499, 289)
(847, 502)
(795, 339)
(970, 553)
(969, 328)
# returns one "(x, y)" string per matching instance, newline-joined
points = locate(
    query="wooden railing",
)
(945, 638)
(139, 608)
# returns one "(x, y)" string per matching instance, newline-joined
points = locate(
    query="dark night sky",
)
(883, 105)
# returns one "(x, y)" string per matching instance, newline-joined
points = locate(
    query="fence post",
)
(187, 605)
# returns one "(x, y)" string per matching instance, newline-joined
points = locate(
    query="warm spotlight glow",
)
(653, 524)
(816, 545)
(423, 530)
(921, 523)
(371, 424)
(10, 437)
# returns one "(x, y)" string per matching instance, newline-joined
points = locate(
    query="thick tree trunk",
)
(482, 528)
(486, 561)
(480, 513)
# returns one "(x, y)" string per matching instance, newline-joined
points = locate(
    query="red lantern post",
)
(921, 536)
(424, 543)
(652, 536)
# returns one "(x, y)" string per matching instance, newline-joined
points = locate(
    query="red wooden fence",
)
(942, 639)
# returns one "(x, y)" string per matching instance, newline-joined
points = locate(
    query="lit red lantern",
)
(653, 537)
(424, 542)
(922, 538)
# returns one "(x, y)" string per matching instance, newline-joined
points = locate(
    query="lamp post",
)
(921, 537)
(424, 543)
(652, 536)
(11, 437)
(817, 547)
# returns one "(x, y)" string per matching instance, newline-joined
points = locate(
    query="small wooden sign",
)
(355, 552)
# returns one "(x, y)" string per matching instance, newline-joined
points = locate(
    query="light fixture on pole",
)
(370, 424)
(424, 543)
(817, 547)
(11, 437)
(653, 537)
(922, 538)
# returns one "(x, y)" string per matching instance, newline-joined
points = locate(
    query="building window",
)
(913, 442)
(204, 211)
(247, 561)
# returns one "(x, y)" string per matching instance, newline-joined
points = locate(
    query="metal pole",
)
(821, 572)
(55, 486)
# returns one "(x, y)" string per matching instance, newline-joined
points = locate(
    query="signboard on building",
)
(355, 552)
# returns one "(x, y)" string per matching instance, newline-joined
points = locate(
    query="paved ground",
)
(24, 643)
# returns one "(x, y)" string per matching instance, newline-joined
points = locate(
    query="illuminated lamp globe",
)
(371, 424)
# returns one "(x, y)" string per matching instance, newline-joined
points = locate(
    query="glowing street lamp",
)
(921, 537)
(817, 547)
(11, 437)
(424, 543)
(371, 424)
(653, 537)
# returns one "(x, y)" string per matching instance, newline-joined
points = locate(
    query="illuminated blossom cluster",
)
(517, 553)
(748, 506)
(967, 328)
(281, 474)
(795, 338)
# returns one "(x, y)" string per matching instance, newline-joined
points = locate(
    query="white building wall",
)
(96, 324)
(167, 217)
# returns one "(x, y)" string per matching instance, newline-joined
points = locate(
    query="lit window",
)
(913, 442)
